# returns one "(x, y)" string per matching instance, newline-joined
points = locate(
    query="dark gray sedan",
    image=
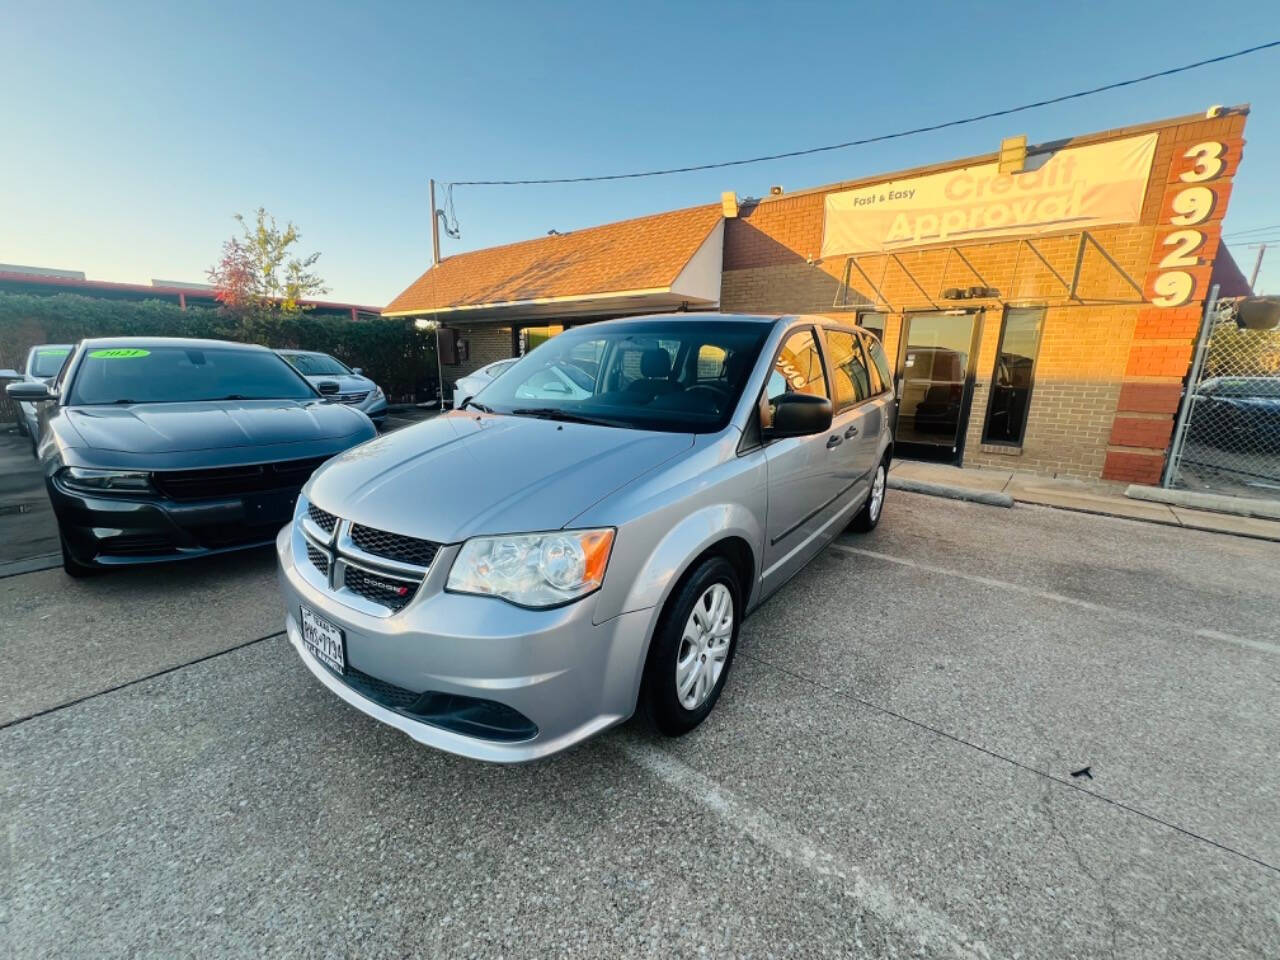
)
(158, 449)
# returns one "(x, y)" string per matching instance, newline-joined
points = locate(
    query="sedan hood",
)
(461, 474)
(152, 428)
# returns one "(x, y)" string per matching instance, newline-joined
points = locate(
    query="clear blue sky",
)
(132, 131)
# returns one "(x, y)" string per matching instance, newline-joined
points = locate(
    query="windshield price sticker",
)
(119, 353)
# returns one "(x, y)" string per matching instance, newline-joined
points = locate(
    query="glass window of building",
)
(1014, 375)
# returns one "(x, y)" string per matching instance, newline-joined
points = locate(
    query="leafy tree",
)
(258, 271)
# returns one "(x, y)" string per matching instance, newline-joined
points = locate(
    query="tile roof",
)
(644, 253)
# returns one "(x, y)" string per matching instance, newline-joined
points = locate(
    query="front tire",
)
(869, 516)
(692, 649)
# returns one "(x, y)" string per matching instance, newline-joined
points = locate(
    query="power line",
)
(1242, 233)
(878, 139)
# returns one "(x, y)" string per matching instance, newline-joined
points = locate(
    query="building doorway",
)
(935, 384)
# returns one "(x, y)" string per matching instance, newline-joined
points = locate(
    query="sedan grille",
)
(392, 593)
(394, 546)
(352, 397)
(232, 481)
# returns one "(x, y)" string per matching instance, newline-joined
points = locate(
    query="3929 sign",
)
(1194, 204)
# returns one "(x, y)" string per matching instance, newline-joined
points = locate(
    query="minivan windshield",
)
(673, 375)
(316, 364)
(172, 374)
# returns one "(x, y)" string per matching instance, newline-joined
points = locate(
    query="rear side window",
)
(881, 362)
(852, 381)
(798, 368)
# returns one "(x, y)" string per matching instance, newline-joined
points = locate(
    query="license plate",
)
(324, 641)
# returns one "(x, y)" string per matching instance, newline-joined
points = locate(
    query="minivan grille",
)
(394, 546)
(392, 593)
(321, 518)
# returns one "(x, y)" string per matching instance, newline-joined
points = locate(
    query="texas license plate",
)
(324, 641)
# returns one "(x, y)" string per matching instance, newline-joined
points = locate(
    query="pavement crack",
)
(16, 721)
(1055, 828)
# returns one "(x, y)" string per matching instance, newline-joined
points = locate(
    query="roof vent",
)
(775, 191)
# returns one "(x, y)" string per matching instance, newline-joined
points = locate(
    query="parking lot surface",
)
(896, 768)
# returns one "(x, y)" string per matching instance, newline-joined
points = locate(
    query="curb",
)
(1214, 502)
(990, 498)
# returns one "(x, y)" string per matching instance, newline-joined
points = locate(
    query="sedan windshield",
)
(316, 364)
(674, 375)
(173, 374)
(47, 361)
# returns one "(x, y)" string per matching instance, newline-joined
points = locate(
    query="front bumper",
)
(115, 531)
(375, 410)
(569, 677)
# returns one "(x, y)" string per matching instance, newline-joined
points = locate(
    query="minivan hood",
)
(464, 474)
(180, 427)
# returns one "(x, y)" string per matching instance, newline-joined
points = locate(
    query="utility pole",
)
(435, 227)
(1257, 265)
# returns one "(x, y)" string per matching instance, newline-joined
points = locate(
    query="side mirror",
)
(7, 374)
(799, 415)
(30, 391)
(328, 388)
(358, 371)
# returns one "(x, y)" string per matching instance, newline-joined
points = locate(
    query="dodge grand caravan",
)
(513, 577)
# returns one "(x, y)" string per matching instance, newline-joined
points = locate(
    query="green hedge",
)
(399, 357)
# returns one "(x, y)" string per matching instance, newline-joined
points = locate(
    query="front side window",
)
(1014, 374)
(851, 379)
(681, 375)
(316, 364)
(175, 374)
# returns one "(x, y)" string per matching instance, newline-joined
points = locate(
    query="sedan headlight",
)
(91, 480)
(533, 569)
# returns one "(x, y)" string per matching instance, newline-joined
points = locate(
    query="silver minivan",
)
(508, 579)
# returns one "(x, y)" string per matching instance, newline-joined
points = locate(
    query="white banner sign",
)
(1075, 187)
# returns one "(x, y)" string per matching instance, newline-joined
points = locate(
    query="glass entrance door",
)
(935, 381)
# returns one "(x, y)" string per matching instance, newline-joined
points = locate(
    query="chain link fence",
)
(1231, 439)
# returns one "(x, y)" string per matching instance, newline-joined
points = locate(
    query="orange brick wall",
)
(1110, 369)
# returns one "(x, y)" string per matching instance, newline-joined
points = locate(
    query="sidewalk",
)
(1005, 487)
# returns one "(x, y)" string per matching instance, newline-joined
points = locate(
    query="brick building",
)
(1040, 304)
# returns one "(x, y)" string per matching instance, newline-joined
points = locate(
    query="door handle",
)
(851, 432)
(834, 440)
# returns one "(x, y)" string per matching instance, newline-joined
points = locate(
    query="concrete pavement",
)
(889, 773)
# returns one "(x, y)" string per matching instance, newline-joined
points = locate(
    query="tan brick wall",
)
(489, 342)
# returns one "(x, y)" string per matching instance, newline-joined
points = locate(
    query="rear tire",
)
(692, 649)
(72, 566)
(873, 508)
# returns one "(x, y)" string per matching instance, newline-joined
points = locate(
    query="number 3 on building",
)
(1208, 162)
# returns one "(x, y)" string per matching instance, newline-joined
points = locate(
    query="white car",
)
(467, 387)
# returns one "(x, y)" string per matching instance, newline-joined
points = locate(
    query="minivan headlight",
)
(533, 569)
(91, 480)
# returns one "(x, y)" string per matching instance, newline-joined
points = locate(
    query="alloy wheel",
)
(704, 646)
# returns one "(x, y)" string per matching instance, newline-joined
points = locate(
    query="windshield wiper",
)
(555, 413)
(469, 404)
